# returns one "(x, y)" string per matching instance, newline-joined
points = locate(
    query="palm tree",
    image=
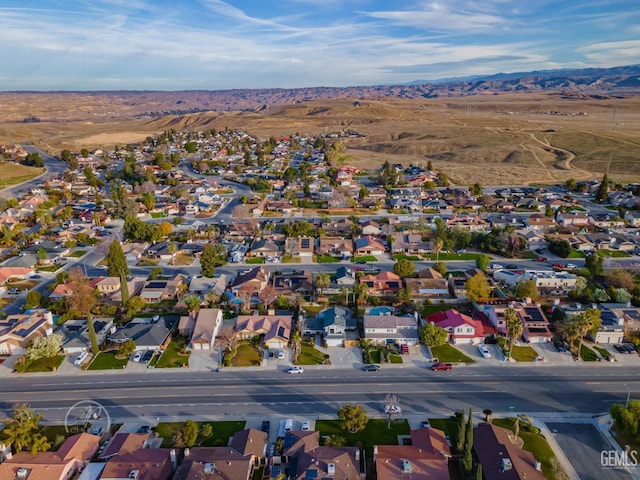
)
(437, 246)
(172, 248)
(586, 322)
(361, 292)
(322, 281)
(296, 338)
(513, 326)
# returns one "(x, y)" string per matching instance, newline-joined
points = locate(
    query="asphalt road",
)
(53, 169)
(321, 391)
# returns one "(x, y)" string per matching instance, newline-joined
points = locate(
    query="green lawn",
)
(527, 254)
(452, 256)
(54, 432)
(375, 433)
(395, 358)
(221, 432)
(158, 215)
(449, 354)
(171, 356)
(372, 355)
(586, 354)
(312, 311)
(398, 256)
(288, 258)
(77, 253)
(108, 361)
(328, 259)
(429, 309)
(255, 260)
(310, 356)
(613, 253)
(602, 351)
(246, 356)
(49, 364)
(576, 254)
(182, 260)
(143, 262)
(524, 353)
(365, 258)
(49, 268)
(535, 444)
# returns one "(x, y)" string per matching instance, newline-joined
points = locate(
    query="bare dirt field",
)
(12, 174)
(494, 139)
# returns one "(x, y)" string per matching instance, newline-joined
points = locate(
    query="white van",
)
(288, 424)
(496, 266)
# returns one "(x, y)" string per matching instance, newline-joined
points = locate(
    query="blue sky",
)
(216, 44)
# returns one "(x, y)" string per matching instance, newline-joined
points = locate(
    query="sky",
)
(218, 45)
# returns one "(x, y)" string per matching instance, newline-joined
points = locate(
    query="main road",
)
(322, 390)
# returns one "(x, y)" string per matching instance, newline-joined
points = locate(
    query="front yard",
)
(375, 433)
(448, 354)
(519, 353)
(49, 364)
(246, 356)
(222, 431)
(309, 355)
(108, 361)
(172, 356)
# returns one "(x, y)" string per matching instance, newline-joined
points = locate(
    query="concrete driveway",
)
(204, 360)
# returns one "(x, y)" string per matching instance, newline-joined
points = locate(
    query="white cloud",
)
(613, 53)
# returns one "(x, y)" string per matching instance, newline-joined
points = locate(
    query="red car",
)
(441, 366)
(541, 259)
(558, 266)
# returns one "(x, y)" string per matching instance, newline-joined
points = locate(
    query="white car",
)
(484, 351)
(281, 354)
(496, 266)
(305, 426)
(80, 358)
(137, 356)
(295, 370)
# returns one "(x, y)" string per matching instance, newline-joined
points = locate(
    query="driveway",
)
(582, 444)
(204, 360)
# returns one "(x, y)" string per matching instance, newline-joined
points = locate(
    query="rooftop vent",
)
(331, 468)
(506, 464)
(209, 468)
(406, 466)
(133, 474)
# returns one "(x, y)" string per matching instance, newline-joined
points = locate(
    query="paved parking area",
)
(582, 444)
(553, 356)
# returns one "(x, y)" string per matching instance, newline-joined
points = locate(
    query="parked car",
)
(512, 266)
(560, 346)
(137, 356)
(266, 426)
(280, 354)
(305, 426)
(620, 348)
(404, 348)
(147, 356)
(371, 368)
(441, 366)
(13, 291)
(571, 266)
(144, 429)
(484, 351)
(559, 266)
(97, 430)
(496, 266)
(425, 424)
(80, 358)
(295, 370)
(540, 259)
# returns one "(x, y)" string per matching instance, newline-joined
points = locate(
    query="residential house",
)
(123, 443)
(410, 243)
(242, 229)
(337, 246)
(605, 241)
(290, 283)
(368, 245)
(148, 333)
(461, 328)
(246, 450)
(76, 333)
(200, 285)
(628, 313)
(632, 218)
(568, 220)
(71, 457)
(473, 223)
(606, 220)
(141, 464)
(264, 248)
(370, 227)
(155, 291)
(501, 455)
(388, 328)
(307, 459)
(202, 326)
(382, 284)
(300, 246)
(429, 284)
(339, 227)
(548, 281)
(333, 324)
(133, 251)
(251, 282)
(18, 330)
(612, 320)
(425, 459)
(275, 328)
(18, 273)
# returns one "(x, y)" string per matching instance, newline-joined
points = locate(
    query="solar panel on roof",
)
(312, 474)
(157, 284)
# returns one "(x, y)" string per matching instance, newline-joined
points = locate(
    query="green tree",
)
(191, 147)
(208, 261)
(353, 417)
(527, 289)
(440, 267)
(192, 302)
(83, 299)
(432, 335)
(477, 287)
(627, 419)
(570, 184)
(620, 278)
(190, 433)
(334, 441)
(595, 264)
(586, 322)
(462, 429)
(404, 268)
(155, 273)
(126, 348)
(117, 267)
(482, 261)
(361, 292)
(467, 460)
(476, 189)
(149, 200)
(322, 281)
(65, 156)
(602, 195)
(22, 430)
(513, 326)
(84, 152)
(562, 248)
(135, 304)
(45, 347)
(33, 300)
(172, 248)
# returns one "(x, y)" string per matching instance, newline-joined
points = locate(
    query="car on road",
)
(540, 259)
(371, 368)
(512, 266)
(293, 370)
(559, 266)
(137, 356)
(80, 358)
(144, 429)
(496, 266)
(102, 267)
(441, 366)
(571, 266)
(484, 351)
(305, 426)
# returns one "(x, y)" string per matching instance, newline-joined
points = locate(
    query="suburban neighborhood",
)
(214, 250)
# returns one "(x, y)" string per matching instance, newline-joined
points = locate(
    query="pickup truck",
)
(441, 366)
